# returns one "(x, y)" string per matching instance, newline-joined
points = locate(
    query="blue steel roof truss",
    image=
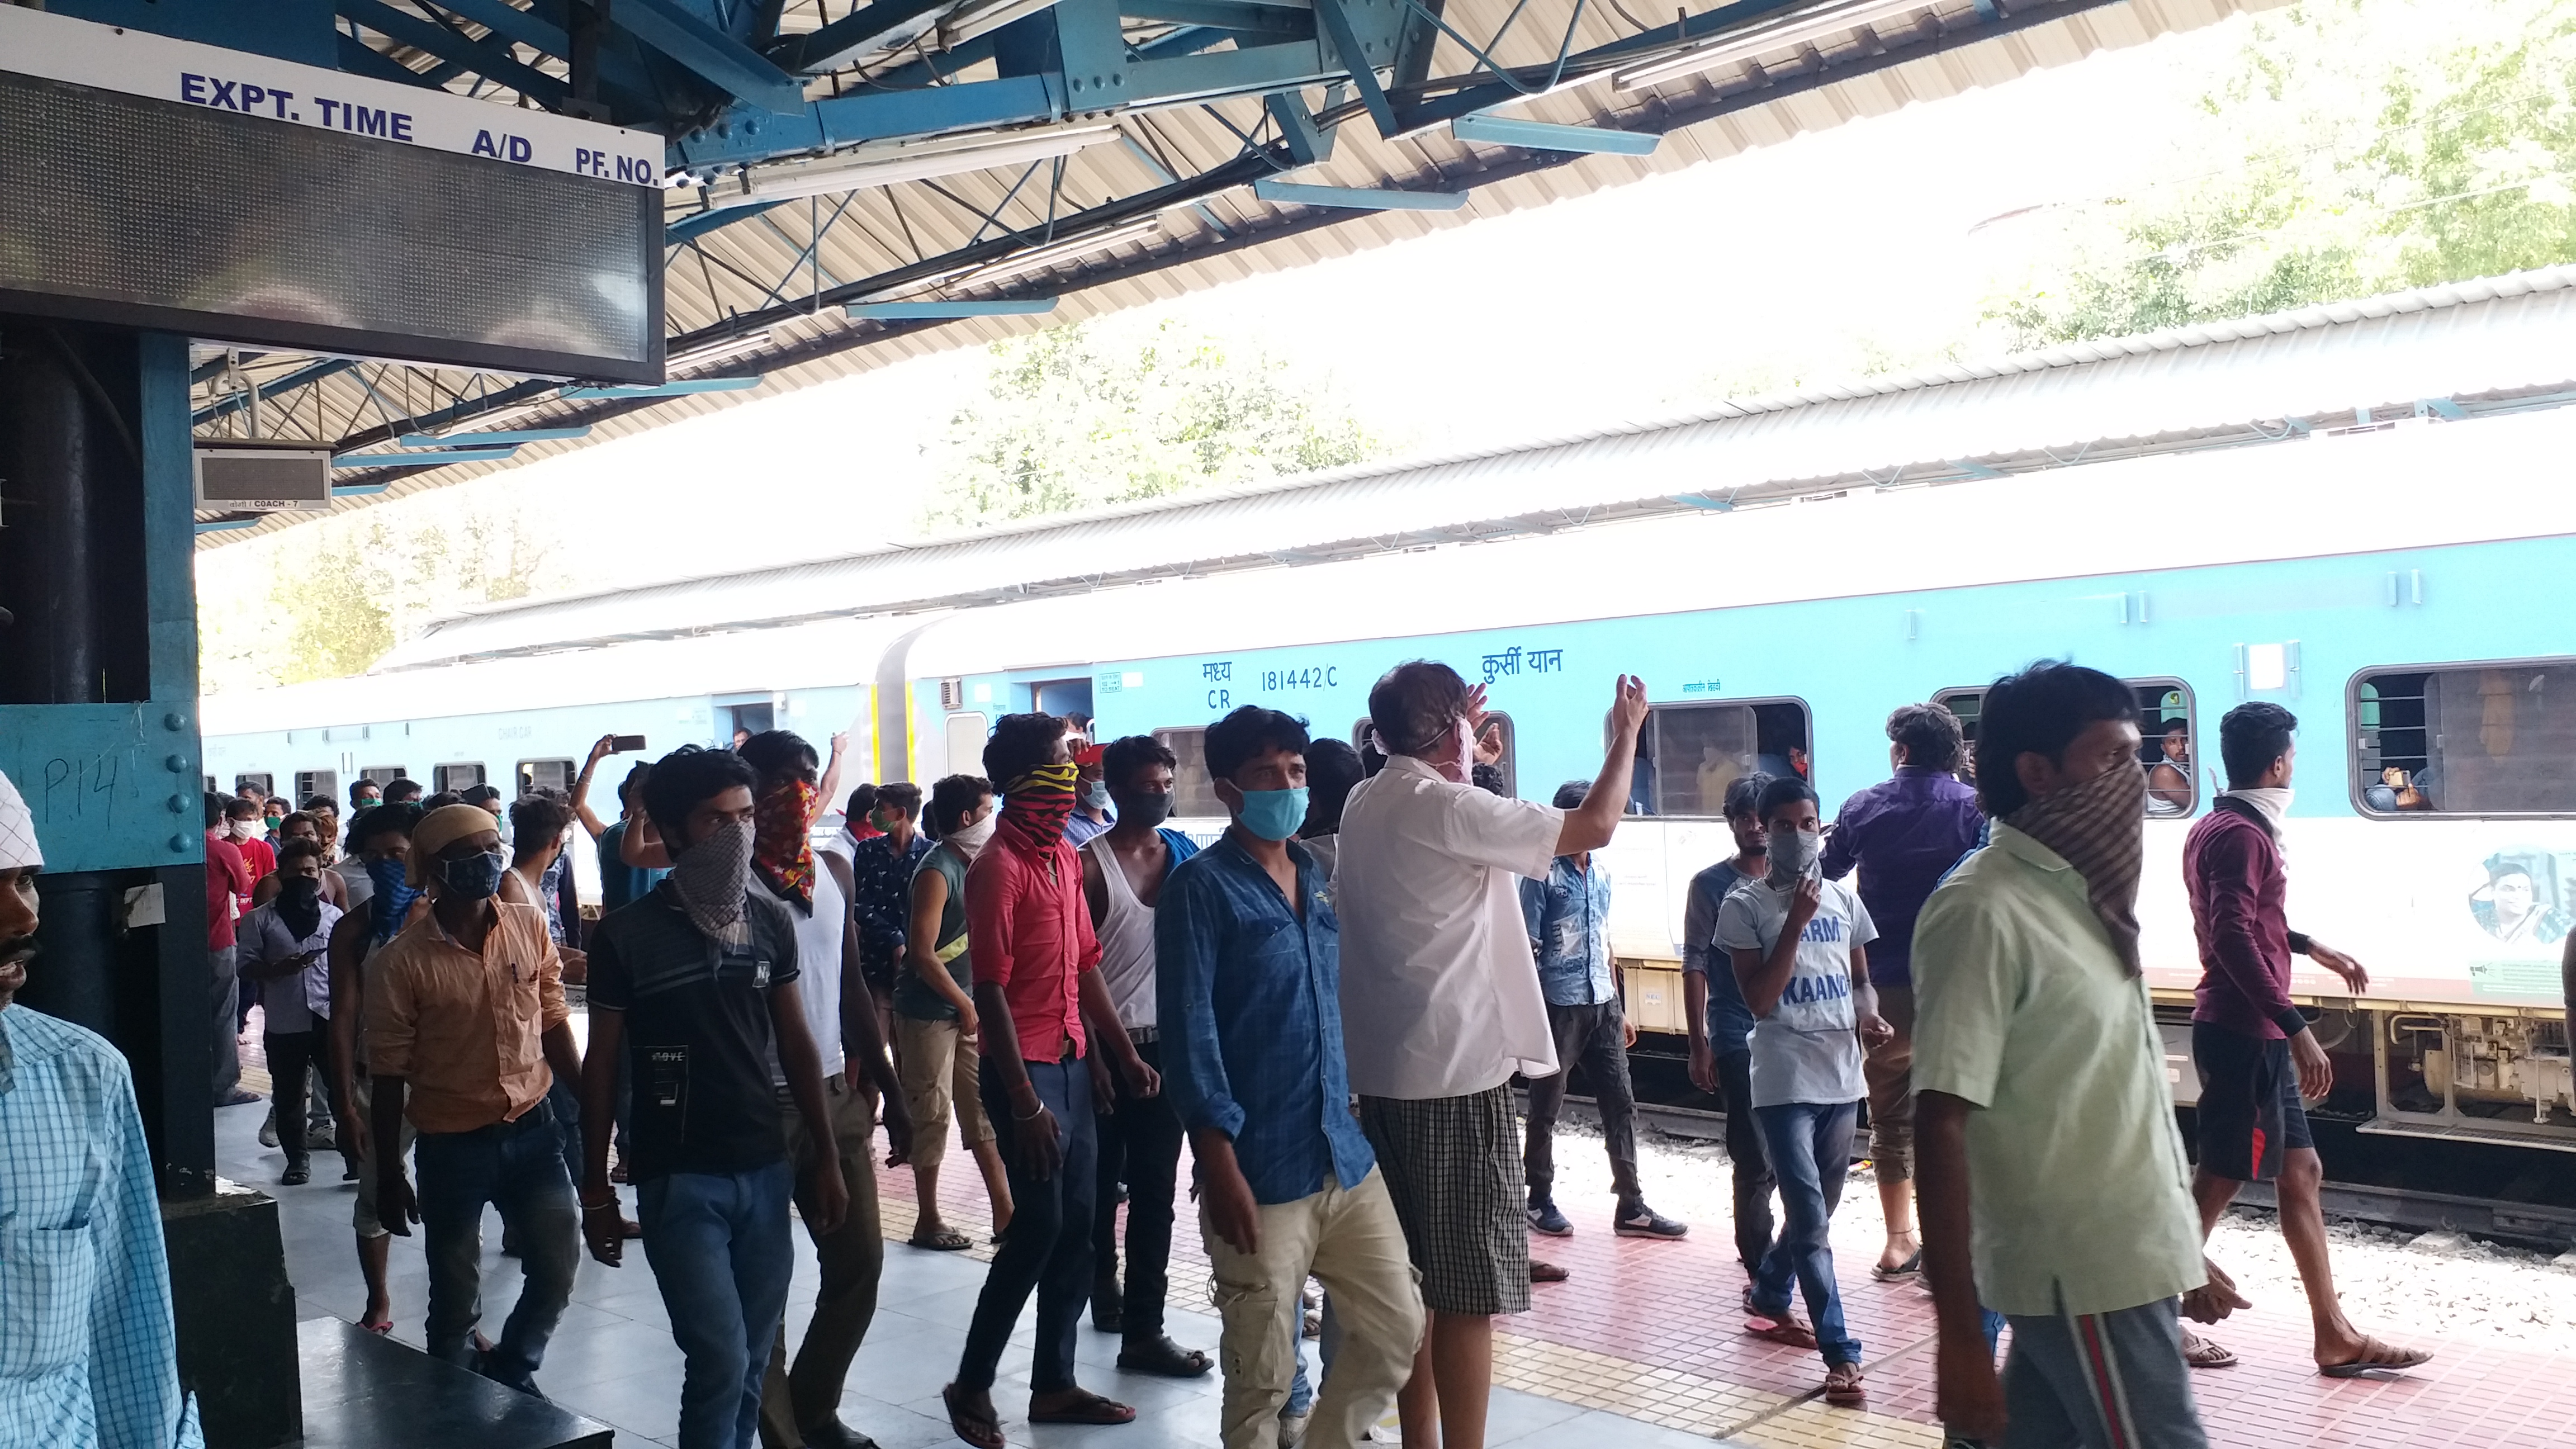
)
(735, 92)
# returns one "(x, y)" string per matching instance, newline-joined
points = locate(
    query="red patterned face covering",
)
(1036, 805)
(781, 849)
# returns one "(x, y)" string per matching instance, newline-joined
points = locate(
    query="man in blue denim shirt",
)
(1248, 998)
(1568, 915)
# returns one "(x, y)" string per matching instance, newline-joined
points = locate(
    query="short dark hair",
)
(218, 807)
(537, 820)
(297, 849)
(1332, 769)
(250, 790)
(384, 820)
(901, 795)
(480, 794)
(2250, 737)
(293, 816)
(1930, 734)
(320, 802)
(1412, 704)
(2039, 711)
(1020, 743)
(1488, 778)
(687, 778)
(951, 797)
(1124, 756)
(1785, 790)
(1571, 794)
(363, 783)
(1744, 795)
(633, 782)
(442, 800)
(1234, 740)
(399, 789)
(773, 753)
(243, 807)
(863, 798)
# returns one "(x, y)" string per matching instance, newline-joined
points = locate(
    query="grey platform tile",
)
(892, 1426)
(1513, 1417)
(606, 1348)
(644, 1405)
(1596, 1429)
(913, 1273)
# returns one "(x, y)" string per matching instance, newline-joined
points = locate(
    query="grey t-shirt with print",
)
(1806, 1050)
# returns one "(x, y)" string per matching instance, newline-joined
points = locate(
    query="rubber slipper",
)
(2378, 1360)
(1086, 1408)
(2202, 1353)
(946, 1240)
(985, 1434)
(1163, 1358)
(1786, 1331)
(1911, 1267)
(1847, 1393)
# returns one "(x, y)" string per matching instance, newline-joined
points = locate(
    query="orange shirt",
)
(462, 1028)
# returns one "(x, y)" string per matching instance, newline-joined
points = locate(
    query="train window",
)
(1499, 729)
(1689, 753)
(309, 783)
(1193, 793)
(455, 779)
(383, 775)
(260, 783)
(2165, 733)
(964, 735)
(546, 775)
(2477, 739)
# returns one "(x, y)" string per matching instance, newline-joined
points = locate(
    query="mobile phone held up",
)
(630, 744)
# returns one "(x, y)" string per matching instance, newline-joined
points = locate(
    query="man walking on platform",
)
(1441, 1005)
(2052, 1178)
(1123, 873)
(466, 1029)
(1040, 1006)
(1247, 963)
(1904, 834)
(2254, 1051)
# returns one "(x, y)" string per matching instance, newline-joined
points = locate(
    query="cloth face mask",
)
(1036, 805)
(2099, 827)
(710, 875)
(1793, 856)
(475, 877)
(782, 843)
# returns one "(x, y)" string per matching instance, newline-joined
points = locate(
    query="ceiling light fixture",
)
(1797, 26)
(715, 350)
(1040, 258)
(887, 164)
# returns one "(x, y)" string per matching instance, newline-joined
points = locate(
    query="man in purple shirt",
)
(1904, 834)
(2252, 1048)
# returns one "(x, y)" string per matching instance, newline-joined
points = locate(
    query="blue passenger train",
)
(2407, 591)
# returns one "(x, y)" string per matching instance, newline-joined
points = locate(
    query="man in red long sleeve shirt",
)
(2254, 1051)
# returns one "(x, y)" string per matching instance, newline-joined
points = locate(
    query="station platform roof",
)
(1170, 190)
(2441, 353)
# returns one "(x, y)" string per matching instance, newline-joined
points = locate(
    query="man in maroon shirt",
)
(2254, 1051)
(228, 885)
(1040, 999)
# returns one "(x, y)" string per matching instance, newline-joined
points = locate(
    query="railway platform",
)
(1642, 1349)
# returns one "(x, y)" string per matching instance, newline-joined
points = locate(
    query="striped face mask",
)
(1036, 805)
(2099, 827)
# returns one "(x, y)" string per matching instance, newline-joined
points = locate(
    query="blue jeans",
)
(719, 1245)
(1809, 1145)
(519, 1168)
(1048, 1248)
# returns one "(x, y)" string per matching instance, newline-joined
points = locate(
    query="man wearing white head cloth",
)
(90, 1358)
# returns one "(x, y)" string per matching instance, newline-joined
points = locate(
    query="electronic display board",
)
(246, 200)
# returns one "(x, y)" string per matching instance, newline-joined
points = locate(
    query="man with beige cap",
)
(465, 1015)
(92, 1356)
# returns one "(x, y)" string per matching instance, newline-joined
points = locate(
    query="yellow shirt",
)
(462, 1028)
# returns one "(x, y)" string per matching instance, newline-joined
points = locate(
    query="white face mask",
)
(245, 829)
(970, 839)
(2274, 803)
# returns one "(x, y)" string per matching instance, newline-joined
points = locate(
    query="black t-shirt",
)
(697, 1031)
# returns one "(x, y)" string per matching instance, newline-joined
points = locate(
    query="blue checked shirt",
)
(88, 1358)
(881, 899)
(1568, 915)
(1249, 997)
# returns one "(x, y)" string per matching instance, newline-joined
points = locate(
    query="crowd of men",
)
(1327, 1008)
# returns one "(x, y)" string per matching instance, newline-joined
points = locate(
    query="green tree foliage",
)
(1091, 414)
(2355, 147)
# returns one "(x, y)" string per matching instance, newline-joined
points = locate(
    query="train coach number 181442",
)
(1320, 676)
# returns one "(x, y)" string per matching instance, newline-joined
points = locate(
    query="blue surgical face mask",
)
(1273, 814)
(475, 877)
(1096, 795)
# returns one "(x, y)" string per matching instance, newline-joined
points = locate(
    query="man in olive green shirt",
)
(2048, 1158)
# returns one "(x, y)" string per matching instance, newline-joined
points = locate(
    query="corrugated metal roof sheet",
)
(1234, 235)
(2213, 385)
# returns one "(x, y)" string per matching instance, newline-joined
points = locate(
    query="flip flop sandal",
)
(1786, 1331)
(1847, 1393)
(381, 1330)
(946, 1240)
(2378, 1360)
(1086, 1408)
(2202, 1353)
(1547, 1272)
(1163, 1358)
(984, 1435)
(1910, 1268)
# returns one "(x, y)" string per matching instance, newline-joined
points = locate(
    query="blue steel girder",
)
(621, 75)
(488, 58)
(884, 26)
(1294, 21)
(712, 54)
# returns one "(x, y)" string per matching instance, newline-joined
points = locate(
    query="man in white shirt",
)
(1441, 1005)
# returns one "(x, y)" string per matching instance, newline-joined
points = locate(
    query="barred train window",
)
(1193, 793)
(455, 779)
(1498, 728)
(546, 775)
(1689, 753)
(2478, 739)
(309, 783)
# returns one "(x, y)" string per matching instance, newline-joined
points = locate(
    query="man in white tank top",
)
(1123, 870)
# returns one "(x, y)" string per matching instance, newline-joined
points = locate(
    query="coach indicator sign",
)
(162, 184)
